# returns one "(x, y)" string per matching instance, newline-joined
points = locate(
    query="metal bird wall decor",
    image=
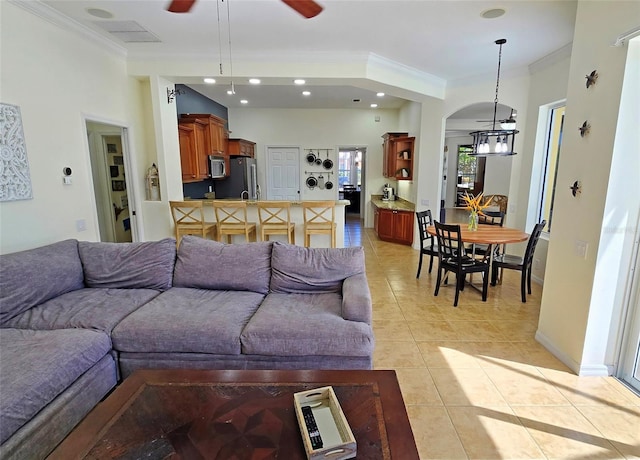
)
(576, 188)
(591, 78)
(584, 129)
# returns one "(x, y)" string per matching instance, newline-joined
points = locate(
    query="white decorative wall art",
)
(15, 181)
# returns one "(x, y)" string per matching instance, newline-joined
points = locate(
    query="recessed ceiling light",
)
(210, 81)
(230, 92)
(254, 81)
(306, 93)
(299, 81)
(99, 13)
(373, 106)
(244, 101)
(380, 94)
(492, 13)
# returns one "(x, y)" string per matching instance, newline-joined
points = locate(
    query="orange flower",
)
(475, 203)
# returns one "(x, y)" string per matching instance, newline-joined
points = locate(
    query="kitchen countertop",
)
(396, 205)
(254, 202)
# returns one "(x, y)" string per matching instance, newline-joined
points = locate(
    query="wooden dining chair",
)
(319, 219)
(188, 219)
(232, 220)
(275, 219)
(428, 244)
(499, 201)
(453, 258)
(524, 264)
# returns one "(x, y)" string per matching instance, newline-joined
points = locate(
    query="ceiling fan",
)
(307, 8)
(511, 121)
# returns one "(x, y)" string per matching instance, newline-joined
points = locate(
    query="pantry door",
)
(283, 173)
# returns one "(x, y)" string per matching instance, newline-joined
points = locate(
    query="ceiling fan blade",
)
(307, 8)
(180, 6)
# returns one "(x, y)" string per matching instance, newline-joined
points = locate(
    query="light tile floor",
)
(475, 382)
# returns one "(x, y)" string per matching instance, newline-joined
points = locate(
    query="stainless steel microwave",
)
(216, 166)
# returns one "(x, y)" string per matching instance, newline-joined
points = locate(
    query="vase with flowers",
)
(475, 206)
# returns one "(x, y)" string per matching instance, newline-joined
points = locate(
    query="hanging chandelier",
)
(499, 140)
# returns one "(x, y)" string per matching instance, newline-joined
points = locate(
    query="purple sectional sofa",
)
(77, 317)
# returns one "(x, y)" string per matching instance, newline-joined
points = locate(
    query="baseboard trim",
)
(588, 370)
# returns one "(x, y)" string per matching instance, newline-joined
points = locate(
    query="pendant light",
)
(496, 141)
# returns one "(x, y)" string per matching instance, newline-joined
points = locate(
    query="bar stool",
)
(275, 219)
(319, 219)
(232, 220)
(188, 219)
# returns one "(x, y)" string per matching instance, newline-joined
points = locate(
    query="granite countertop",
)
(396, 205)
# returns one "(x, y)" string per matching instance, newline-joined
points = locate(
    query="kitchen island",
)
(317, 241)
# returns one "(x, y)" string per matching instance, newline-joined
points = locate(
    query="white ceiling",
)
(447, 39)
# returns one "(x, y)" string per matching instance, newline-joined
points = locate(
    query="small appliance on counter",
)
(388, 193)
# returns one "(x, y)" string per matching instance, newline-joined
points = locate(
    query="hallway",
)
(475, 381)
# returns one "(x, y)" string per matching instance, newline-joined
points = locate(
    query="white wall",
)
(40, 73)
(576, 323)
(549, 79)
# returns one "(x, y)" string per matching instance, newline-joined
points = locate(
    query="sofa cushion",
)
(207, 264)
(28, 278)
(37, 366)
(188, 320)
(146, 265)
(296, 269)
(303, 325)
(89, 308)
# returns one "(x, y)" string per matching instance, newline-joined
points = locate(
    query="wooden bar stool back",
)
(188, 219)
(319, 219)
(232, 220)
(275, 219)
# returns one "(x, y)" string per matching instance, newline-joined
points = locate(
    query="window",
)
(550, 165)
(349, 167)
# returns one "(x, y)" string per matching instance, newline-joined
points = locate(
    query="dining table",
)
(490, 235)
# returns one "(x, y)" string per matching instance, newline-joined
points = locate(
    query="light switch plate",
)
(580, 248)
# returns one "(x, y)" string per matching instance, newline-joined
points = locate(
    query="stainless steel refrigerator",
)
(243, 177)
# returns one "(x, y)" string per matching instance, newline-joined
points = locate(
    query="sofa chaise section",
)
(50, 380)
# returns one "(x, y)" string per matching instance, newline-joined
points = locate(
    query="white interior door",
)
(283, 173)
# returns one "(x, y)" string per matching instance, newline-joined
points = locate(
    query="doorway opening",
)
(108, 153)
(351, 177)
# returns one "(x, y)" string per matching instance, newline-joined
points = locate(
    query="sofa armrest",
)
(356, 299)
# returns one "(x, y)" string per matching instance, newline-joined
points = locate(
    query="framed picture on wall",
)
(118, 185)
(118, 160)
(114, 171)
(112, 148)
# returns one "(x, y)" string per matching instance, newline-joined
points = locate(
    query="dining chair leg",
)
(430, 262)
(485, 286)
(435, 293)
(420, 267)
(523, 280)
(455, 302)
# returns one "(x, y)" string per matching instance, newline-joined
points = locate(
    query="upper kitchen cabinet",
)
(194, 159)
(398, 151)
(241, 147)
(216, 139)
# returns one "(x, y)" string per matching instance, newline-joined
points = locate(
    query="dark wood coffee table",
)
(196, 414)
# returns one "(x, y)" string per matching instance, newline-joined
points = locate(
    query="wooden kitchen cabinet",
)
(194, 160)
(216, 139)
(398, 152)
(394, 226)
(241, 147)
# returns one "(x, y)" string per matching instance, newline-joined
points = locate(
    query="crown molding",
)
(43, 11)
(551, 58)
